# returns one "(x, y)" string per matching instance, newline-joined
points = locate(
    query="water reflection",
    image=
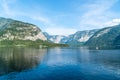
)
(84, 55)
(60, 56)
(109, 58)
(62, 64)
(19, 59)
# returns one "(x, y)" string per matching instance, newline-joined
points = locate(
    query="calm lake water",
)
(59, 64)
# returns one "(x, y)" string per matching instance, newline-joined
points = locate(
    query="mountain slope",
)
(81, 36)
(55, 38)
(17, 33)
(73, 39)
(17, 30)
(105, 38)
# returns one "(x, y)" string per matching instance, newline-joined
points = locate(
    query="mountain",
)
(80, 36)
(18, 33)
(16, 30)
(105, 38)
(54, 38)
(73, 39)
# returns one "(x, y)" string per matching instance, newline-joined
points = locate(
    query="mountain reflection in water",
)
(61, 64)
(19, 59)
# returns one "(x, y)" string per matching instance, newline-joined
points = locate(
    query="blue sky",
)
(63, 16)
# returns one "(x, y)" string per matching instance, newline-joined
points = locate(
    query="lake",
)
(59, 64)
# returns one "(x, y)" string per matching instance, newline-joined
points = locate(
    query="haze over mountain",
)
(78, 37)
(16, 30)
(13, 30)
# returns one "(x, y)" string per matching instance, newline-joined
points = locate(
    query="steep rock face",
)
(57, 38)
(54, 38)
(105, 38)
(78, 37)
(81, 36)
(13, 29)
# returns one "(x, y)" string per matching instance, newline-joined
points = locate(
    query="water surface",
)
(59, 64)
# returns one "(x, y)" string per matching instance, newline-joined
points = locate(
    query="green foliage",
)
(15, 31)
(29, 43)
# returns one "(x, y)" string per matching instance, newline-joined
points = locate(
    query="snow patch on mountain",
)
(103, 32)
(79, 36)
(57, 39)
(112, 23)
(84, 39)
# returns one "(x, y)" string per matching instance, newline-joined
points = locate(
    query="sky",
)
(63, 17)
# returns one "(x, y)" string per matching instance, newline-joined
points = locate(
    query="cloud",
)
(44, 20)
(6, 7)
(60, 30)
(8, 10)
(41, 19)
(93, 14)
(113, 22)
(97, 13)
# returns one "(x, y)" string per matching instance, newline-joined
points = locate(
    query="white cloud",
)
(41, 19)
(52, 27)
(60, 30)
(15, 13)
(113, 22)
(44, 20)
(6, 7)
(97, 13)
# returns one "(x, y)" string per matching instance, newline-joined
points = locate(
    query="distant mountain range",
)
(15, 32)
(105, 38)
(78, 37)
